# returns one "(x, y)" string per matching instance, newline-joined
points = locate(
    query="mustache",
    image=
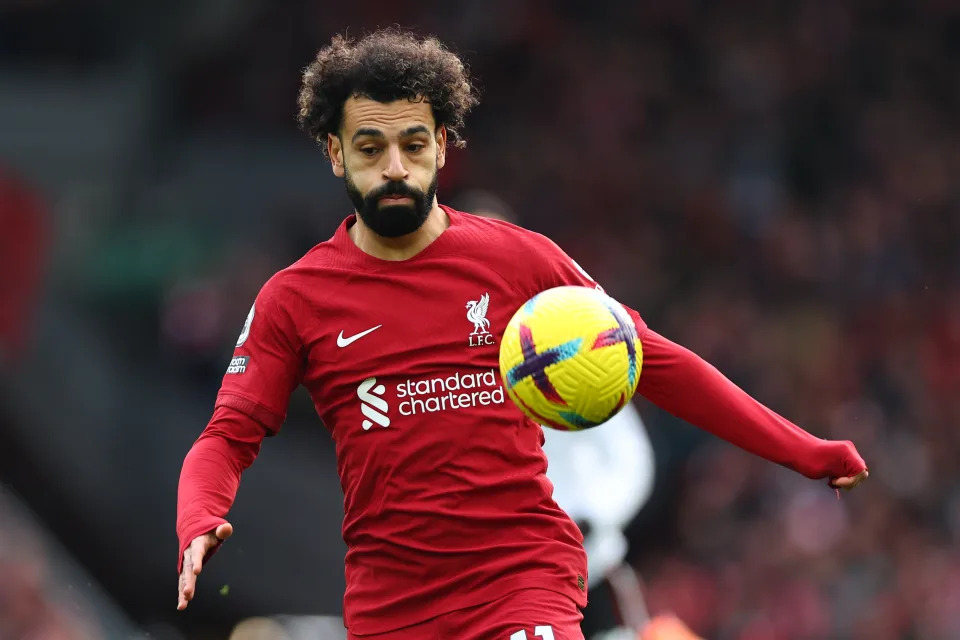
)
(394, 189)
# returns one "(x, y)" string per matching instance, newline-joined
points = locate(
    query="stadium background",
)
(772, 183)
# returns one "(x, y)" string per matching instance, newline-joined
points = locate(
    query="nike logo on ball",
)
(342, 342)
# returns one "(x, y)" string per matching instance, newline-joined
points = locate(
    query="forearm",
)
(682, 383)
(211, 472)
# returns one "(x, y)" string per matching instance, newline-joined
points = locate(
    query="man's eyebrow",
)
(376, 133)
(409, 131)
(367, 131)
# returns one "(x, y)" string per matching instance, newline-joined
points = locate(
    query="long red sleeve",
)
(211, 473)
(682, 383)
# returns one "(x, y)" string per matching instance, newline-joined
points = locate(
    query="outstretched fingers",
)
(193, 558)
(188, 581)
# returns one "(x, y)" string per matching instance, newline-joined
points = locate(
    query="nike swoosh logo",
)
(343, 342)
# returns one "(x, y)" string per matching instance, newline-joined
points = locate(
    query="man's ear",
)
(335, 151)
(441, 147)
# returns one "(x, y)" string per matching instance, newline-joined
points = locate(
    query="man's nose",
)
(395, 169)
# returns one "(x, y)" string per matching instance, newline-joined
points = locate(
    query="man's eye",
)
(415, 147)
(369, 151)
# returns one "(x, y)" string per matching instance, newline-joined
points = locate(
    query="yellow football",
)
(570, 358)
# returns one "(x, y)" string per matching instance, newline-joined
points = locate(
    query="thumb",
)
(224, 531)
(203, 546)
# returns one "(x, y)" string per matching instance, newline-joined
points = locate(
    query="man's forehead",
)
(362, 112)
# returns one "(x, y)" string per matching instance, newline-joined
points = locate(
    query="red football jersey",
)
(446, 500)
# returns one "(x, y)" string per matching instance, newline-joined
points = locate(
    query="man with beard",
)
(450, 526)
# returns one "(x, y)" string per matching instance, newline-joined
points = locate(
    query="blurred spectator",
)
(259, 629)
(32, 603)
(23, 252)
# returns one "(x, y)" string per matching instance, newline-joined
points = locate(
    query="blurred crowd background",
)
(772, 183)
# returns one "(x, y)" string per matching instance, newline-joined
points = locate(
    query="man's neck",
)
(404, 247)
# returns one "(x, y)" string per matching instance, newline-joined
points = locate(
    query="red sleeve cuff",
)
(268, 418)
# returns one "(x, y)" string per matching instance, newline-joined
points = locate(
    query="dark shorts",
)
(528, 614)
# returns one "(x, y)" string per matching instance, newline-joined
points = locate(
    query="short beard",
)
(395, 220)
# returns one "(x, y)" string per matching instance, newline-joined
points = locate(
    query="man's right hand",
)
(193, 559)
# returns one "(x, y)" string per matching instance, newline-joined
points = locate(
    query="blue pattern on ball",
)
(530, 304)
(576, 420)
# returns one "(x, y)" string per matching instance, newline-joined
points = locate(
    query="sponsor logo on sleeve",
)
(238, 364)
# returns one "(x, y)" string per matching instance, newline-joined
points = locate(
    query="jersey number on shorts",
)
(545, 632)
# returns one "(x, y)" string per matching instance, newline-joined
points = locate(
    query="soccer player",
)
(450, 526)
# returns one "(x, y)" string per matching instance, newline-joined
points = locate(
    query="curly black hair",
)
(386, 65)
